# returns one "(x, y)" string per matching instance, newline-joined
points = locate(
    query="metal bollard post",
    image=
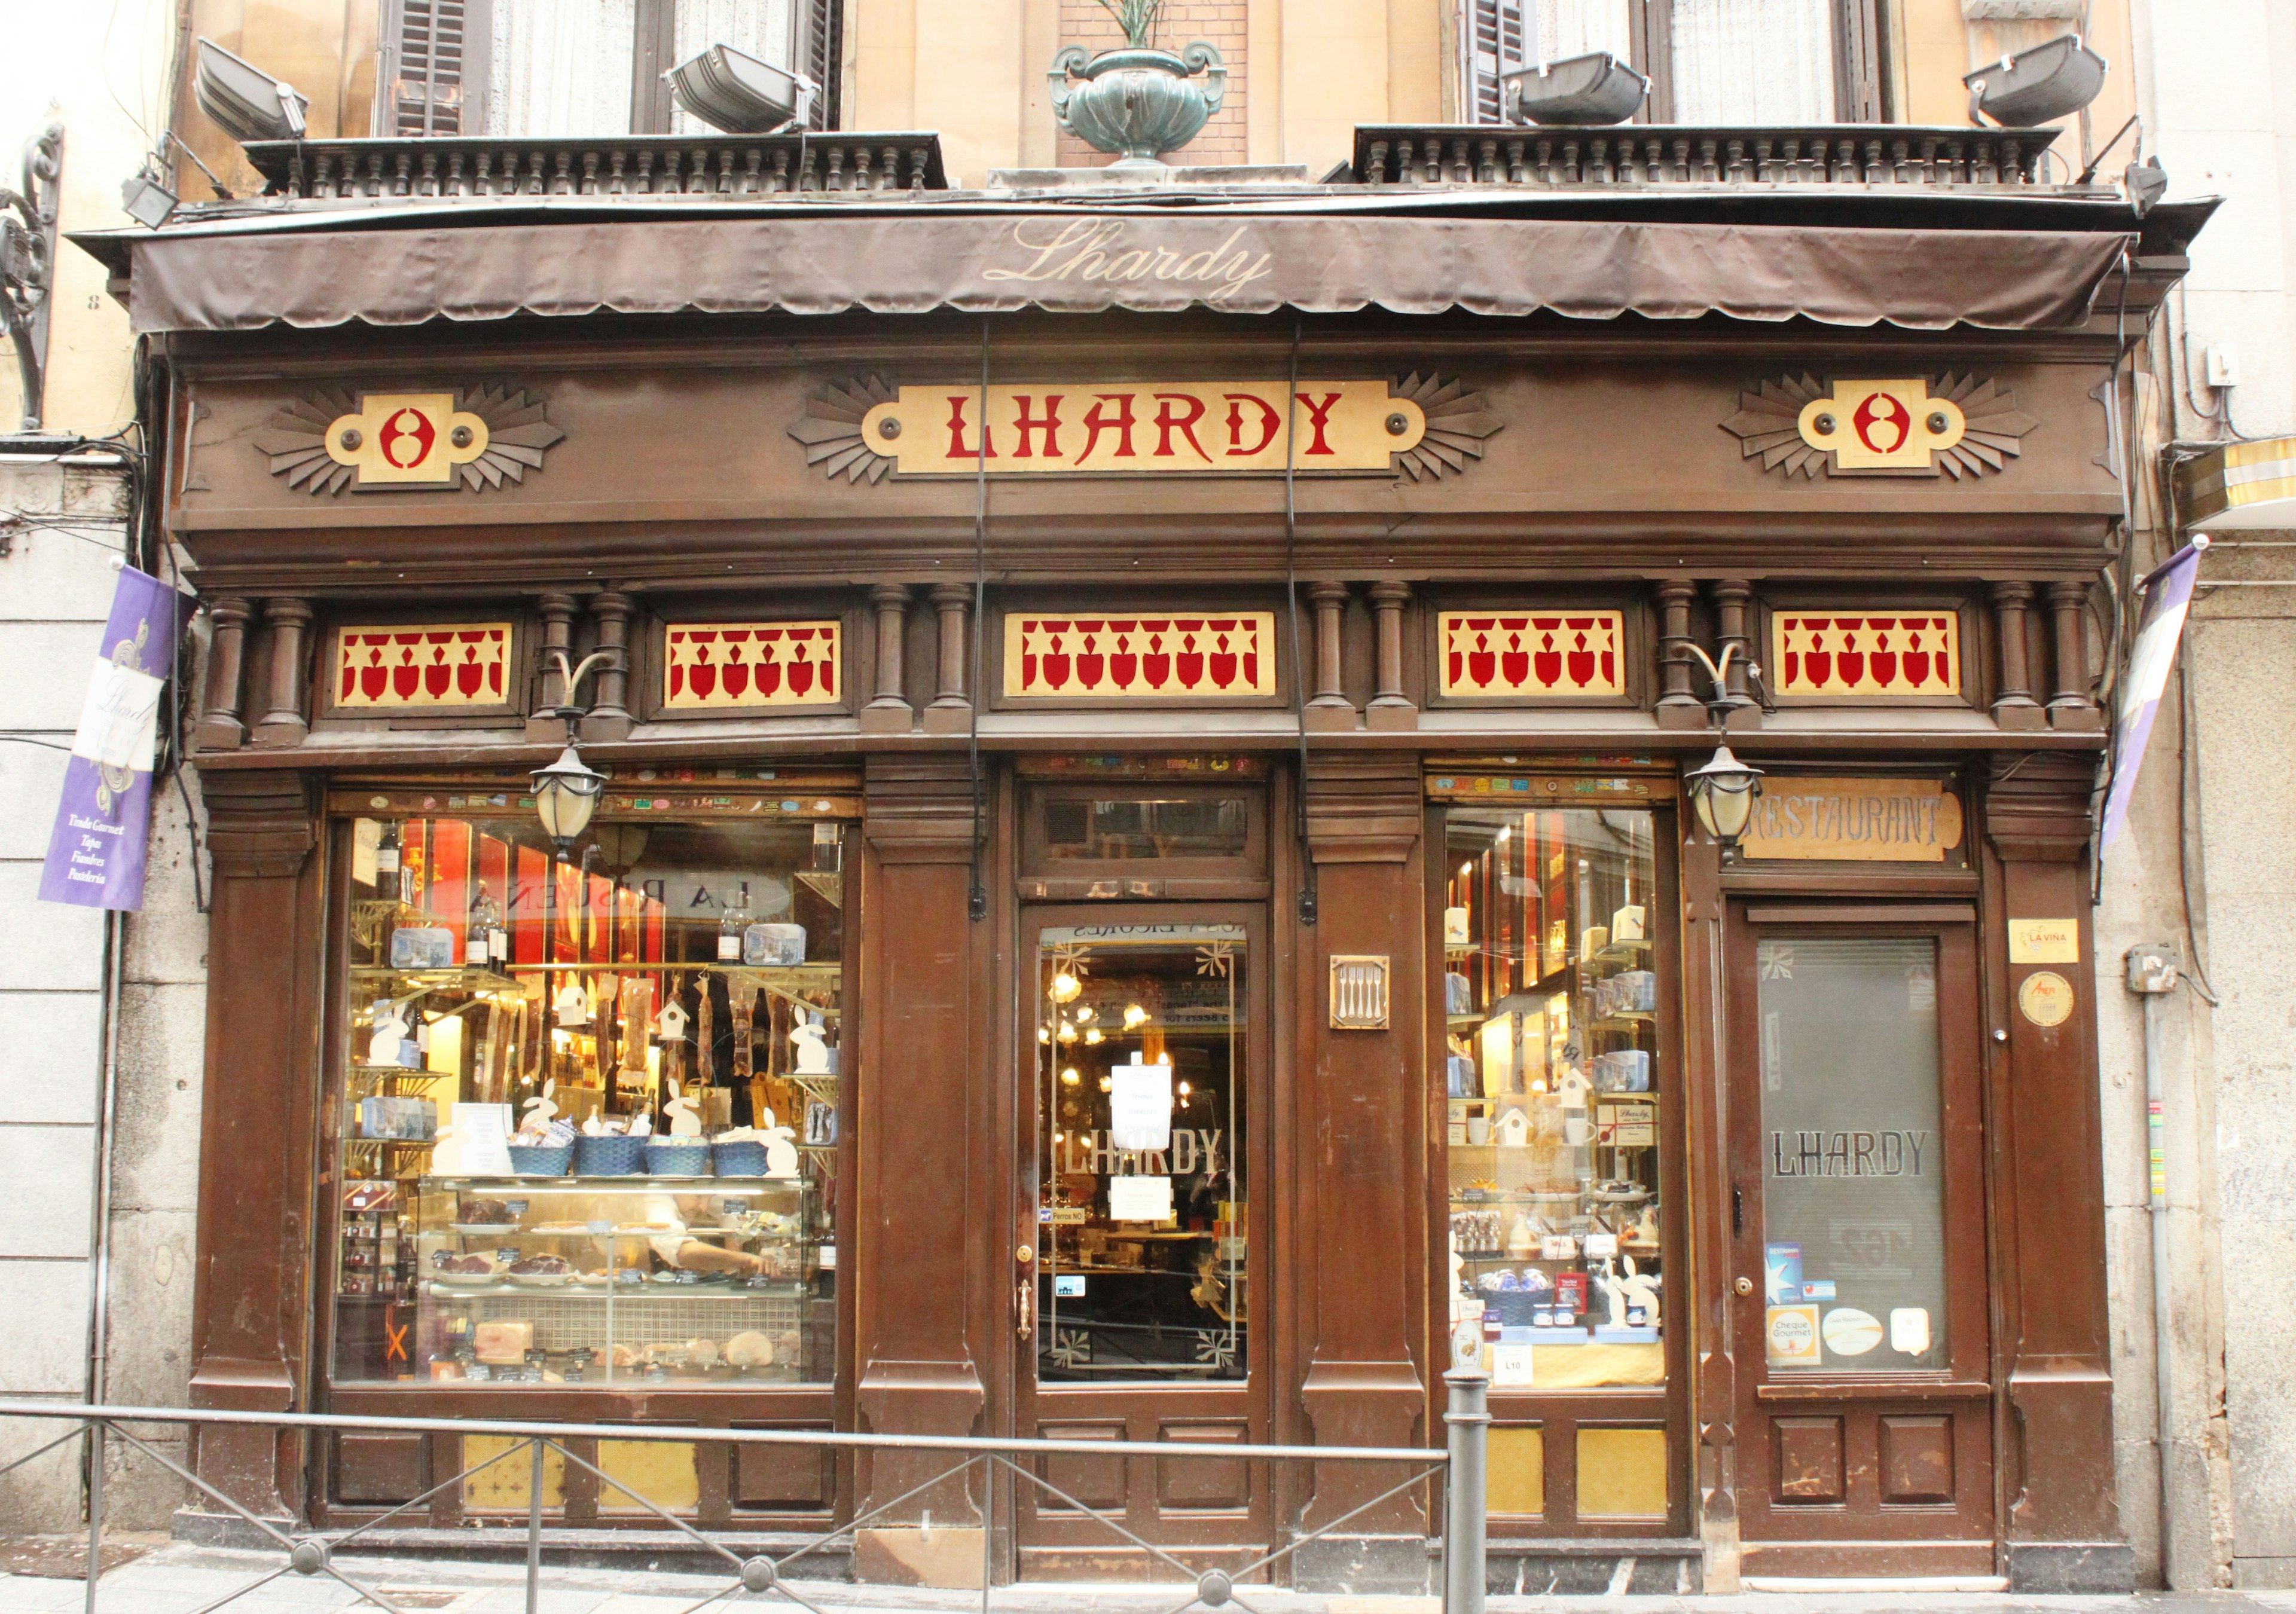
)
(95, 1509)
(534, 1531)
(1469, 1420)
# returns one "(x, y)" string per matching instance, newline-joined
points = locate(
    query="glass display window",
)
(1553, 1091)
(588, 1123)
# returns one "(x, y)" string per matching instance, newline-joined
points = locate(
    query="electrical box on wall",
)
(2220, 365)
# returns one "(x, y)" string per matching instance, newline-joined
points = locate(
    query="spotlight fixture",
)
(245, 101)
(147, 201)
(738, 94)
(2036, 87)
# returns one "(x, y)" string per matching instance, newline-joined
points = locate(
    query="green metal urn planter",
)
(1137, 102)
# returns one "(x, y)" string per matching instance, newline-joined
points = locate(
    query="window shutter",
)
(434, 68)
(1492, 32)
(820, 56)
(1860, 65)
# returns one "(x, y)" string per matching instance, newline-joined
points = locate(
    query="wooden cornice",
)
(2036, 806)
(262, 823)
(1363, 807)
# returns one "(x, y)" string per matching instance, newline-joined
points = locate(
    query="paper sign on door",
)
(1139, 1199)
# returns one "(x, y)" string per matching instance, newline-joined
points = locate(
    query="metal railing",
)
(1459, 1467)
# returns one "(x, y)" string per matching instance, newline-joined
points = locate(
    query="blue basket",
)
(744, 1158)
(677, 1159)
(611, 1156)
(542, 1160)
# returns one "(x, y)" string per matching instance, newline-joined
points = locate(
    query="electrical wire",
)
(1292, 601)
(2188, 782)
(976, 898)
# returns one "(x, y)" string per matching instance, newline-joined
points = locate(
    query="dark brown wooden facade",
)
(678, 493)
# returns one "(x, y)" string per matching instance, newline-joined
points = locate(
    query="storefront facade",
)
(1174, 799)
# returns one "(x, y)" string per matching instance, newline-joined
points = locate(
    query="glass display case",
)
(1552, 1092)
(589, 1120)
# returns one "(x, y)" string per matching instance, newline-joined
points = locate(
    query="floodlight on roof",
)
(2037, 86)
(730, 90)
(246, 102)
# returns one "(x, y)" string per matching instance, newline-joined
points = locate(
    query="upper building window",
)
(1709, 61)
(568, 68)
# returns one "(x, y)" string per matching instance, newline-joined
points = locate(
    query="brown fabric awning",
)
(309, 270)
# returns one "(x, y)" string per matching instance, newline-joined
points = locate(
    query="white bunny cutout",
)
(812, 1052)
(540, 1109)
(683, 1113)
(781, 1153)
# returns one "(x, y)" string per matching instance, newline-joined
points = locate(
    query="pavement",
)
(181, 1578)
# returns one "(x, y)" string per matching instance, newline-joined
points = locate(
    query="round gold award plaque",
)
(2045, 998)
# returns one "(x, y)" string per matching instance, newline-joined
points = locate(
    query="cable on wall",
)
(976, 899)
(1291, 603)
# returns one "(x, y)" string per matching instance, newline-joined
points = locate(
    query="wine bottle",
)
(386, 863)
(484, 925)
(731, 927)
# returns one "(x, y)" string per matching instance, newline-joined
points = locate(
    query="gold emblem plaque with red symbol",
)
(1956, 425)
(406, 437)
(1533, 654)
(1200, 656)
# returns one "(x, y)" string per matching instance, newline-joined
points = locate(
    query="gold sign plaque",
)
(1854, 820)
(1046, 429)
(407, 437)
(2045, 998)
(1882, 426)
(2045, 941)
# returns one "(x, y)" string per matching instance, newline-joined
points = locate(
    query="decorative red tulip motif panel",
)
(1534, 654)
(1833, 653)
(1227, 657)
(426, 666)
(725, 665)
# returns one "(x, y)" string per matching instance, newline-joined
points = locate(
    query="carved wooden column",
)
(609, 717)
(2014, 706)
(2070, 706)
(1391, 708)
(2047, 1194)
(284, 723)
(1678, 705)
(1329, 710)
(889, 712)
(249, 1319)
(1359, 1161)
(934, 1281)
(220, 727)
(555, 614)
(1733, 599)
(951, 712)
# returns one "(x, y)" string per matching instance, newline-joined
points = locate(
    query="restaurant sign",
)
(1421, 426)
(1854, 820)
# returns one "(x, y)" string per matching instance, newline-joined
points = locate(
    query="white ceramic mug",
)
(1478, 1130)
(1577, 1130)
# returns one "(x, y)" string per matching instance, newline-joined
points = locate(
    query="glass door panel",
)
(1853, 1157)
(1143, 1125)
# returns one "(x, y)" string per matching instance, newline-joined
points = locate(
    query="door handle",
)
(1024, 1302)
(1737, 1211)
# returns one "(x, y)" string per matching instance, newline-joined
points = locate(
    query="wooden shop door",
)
(1865, 1424)
(1142, 1306)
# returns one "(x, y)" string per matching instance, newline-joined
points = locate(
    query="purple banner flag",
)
(2168, 596)
(96, 851)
